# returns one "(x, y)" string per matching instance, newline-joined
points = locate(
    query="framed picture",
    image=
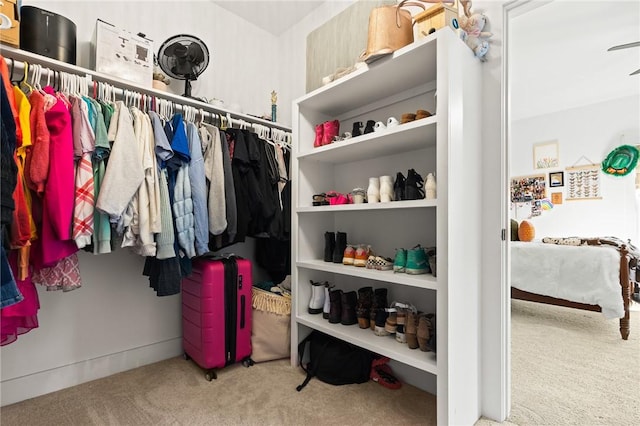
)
(545, 155)
(528, 188)
(556, 197)
(556, 179)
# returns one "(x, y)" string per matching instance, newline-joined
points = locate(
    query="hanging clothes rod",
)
(122, 86)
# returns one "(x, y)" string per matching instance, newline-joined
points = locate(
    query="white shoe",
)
(373, 190)
(386, 189)
(316, 302)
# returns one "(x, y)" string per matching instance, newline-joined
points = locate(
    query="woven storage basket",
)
(271, 332)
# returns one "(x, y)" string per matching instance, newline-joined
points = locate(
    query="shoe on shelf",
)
(320, 199)
(392, 122)
(416, 261)
(380, 322)
(329, 246)
(400, 336)
(391, 322)
(316, 301)
(341, 245)
(348, 311)
(373, 190)
(400, 261)
(426, 332)
(327, 301)
(357, 129)
(369, 128)
(382, 263)
(330, 129)
(398, 187)
(349, 255)
(363, 307)
(362, 255)
(335, 306)
(406, 118)
(411, 329)
(386, 189)
(413, 186)
(319, 132)
(422, 113)
(371, 262)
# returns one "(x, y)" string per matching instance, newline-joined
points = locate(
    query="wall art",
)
(528, 188)
(556, 179)
(545, 155)
(583, 183)
(556, 198)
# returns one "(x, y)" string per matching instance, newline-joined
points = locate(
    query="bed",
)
(595, 275)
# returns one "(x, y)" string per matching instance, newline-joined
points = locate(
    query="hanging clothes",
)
(214, 172)
(198, 183)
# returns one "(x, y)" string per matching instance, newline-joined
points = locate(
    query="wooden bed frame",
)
(626, 286)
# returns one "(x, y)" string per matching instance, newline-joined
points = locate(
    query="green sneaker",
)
(400, 261)
(416, 261)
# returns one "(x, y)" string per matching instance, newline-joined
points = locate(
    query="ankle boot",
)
(316, 301)
(341, 245)
(386, 189)
(357, 129)
(373, 190)
(426, 332)
(369, 127)
(363, 307)
(329, 246)
(411, 329)
(413, 186)
(318, 141)
(335, 308)
(327, 301)
(331, 129)
(348, 314)
(398, 187)
(379, 303)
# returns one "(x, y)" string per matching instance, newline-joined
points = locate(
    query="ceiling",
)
(558, 55)
(273, 16)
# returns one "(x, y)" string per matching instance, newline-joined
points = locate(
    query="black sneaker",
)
(413, 186)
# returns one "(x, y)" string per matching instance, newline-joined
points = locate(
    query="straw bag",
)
(390, 28)
(271, 332)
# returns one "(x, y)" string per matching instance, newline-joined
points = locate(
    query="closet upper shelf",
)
(383, 78)
(53, 64)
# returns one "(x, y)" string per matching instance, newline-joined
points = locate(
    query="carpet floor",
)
(569, 367)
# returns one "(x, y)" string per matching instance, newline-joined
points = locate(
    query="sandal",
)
(320, 199)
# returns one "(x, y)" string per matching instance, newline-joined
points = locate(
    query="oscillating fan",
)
(183, 57)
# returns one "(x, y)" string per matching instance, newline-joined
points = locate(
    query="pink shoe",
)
(330, 129)
(319, 132)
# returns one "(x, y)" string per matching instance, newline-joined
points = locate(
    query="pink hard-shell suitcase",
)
(216, 313)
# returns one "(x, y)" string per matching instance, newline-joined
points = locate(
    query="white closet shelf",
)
(383, 345)
(20, 55)
(405, 69)
(423, 281)
(406, 137)
(412, 204)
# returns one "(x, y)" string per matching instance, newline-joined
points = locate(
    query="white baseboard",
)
(43, 382)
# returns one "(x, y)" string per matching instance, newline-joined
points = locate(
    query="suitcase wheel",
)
(210, 375)
(186, 356)
(248, 362)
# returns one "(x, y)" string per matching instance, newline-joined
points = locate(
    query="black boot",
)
(363, 307)
(349, 300)
(379, 303)
(335, 309)
(369, 127)
(413, 186)
(329, 246)
(357, 129)
(341, 244)
(398, 187)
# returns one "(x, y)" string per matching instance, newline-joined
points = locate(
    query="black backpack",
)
(334, 361)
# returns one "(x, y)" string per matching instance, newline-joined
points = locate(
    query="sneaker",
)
(383, 263)
(371, 262)
(349, 255)
(416, 261)
(400, 261)
(362, 255)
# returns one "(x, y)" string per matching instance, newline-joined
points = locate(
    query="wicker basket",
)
(271, 332)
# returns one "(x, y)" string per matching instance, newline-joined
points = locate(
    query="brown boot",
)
(363, 308)
(425, 332)
(411, 329)
(379, 302)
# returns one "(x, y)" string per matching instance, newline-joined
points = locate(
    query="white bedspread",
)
(585, 274)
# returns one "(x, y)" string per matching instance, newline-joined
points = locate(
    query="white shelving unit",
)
(447, 144)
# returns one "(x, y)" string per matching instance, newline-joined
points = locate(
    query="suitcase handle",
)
(242, 302)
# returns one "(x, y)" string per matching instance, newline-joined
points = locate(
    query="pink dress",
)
(23, 316)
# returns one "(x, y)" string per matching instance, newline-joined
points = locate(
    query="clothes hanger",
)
(24, 84)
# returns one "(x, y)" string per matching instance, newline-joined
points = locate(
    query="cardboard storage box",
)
(120, 53)
(9, 24)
